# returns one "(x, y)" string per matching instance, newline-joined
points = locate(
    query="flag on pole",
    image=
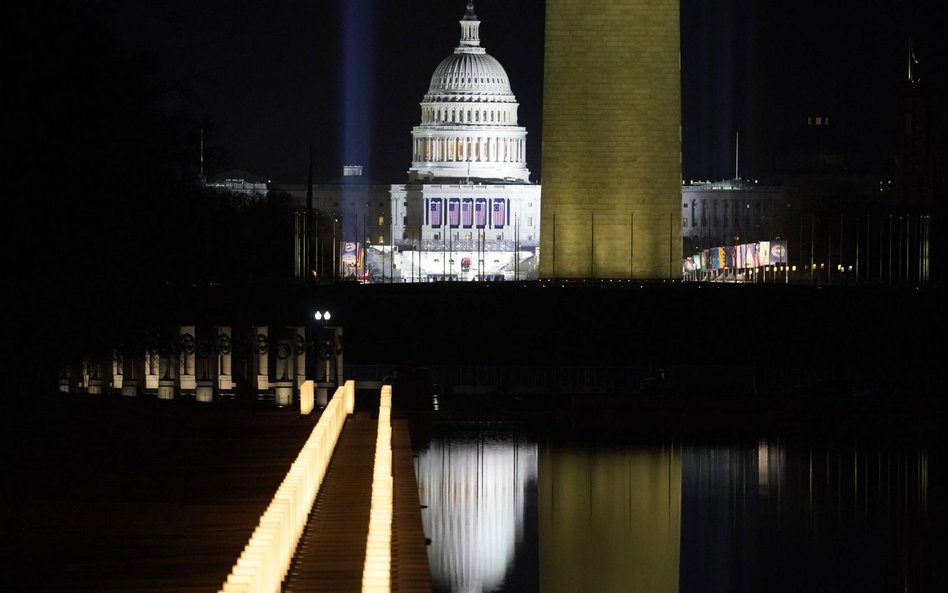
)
(764, 253)
(499, 213)
(435, 212)
(480, 212)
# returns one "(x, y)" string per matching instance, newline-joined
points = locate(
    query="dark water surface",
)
(508, 511)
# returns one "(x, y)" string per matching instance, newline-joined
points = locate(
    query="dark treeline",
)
(102, 195)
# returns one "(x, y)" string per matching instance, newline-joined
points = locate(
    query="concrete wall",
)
(611, 140)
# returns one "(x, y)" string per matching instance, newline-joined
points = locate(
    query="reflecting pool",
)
(510, 512)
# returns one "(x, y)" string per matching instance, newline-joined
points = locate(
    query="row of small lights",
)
(376, 572)
(265, 560)
(840, 268)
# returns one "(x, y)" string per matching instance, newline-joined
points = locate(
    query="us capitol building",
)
(468, 211)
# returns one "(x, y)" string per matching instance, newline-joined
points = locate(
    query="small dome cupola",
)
(470, 36)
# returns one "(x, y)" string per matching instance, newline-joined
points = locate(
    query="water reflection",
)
(477, 481)
(609, 519)
(811, 517)
(661, 518)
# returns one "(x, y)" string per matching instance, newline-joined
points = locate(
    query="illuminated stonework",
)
(611, 140)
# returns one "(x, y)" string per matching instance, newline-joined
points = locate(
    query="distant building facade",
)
(730, 212)
(239, 182)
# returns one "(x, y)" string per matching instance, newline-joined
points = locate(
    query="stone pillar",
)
(152, 371)
(205, 364)
(186, 361)
(284, 363)
(340, 379)
(95, 378)
(168, 365)
(133, 373)
(299, 354)
(68, 374)
(262, 359)
(225, 361)
(118, 370)
(329, 355)
(84, 375)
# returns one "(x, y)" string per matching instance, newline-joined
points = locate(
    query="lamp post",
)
(323, 342)
(323, 351)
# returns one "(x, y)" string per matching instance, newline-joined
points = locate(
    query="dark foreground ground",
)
(105, 493)
(111, 494)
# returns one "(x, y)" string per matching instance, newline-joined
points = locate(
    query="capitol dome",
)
(468, 124)
(467, 72)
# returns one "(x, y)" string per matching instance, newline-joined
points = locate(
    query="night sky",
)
(267, 79)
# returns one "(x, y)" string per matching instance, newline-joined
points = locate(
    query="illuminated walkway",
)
(331, 552)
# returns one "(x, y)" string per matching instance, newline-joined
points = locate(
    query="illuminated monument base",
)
(611, 140)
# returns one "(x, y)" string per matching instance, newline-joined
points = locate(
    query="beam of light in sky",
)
(358, 39)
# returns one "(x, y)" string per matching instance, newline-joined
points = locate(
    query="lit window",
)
(381, 220)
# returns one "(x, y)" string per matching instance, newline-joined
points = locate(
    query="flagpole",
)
(308, 225)
(841, 244)
(812, 245)
(631, 245)
(554, 246)
(829, 252)
(592, 245)
(857, 249)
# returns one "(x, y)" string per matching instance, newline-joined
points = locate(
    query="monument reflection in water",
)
(609, 518)
(476, 482)
(507, 515)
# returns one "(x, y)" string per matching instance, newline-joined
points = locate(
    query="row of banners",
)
(468, 212)
(747, 255)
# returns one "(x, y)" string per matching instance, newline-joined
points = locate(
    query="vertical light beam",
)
(358, 74)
